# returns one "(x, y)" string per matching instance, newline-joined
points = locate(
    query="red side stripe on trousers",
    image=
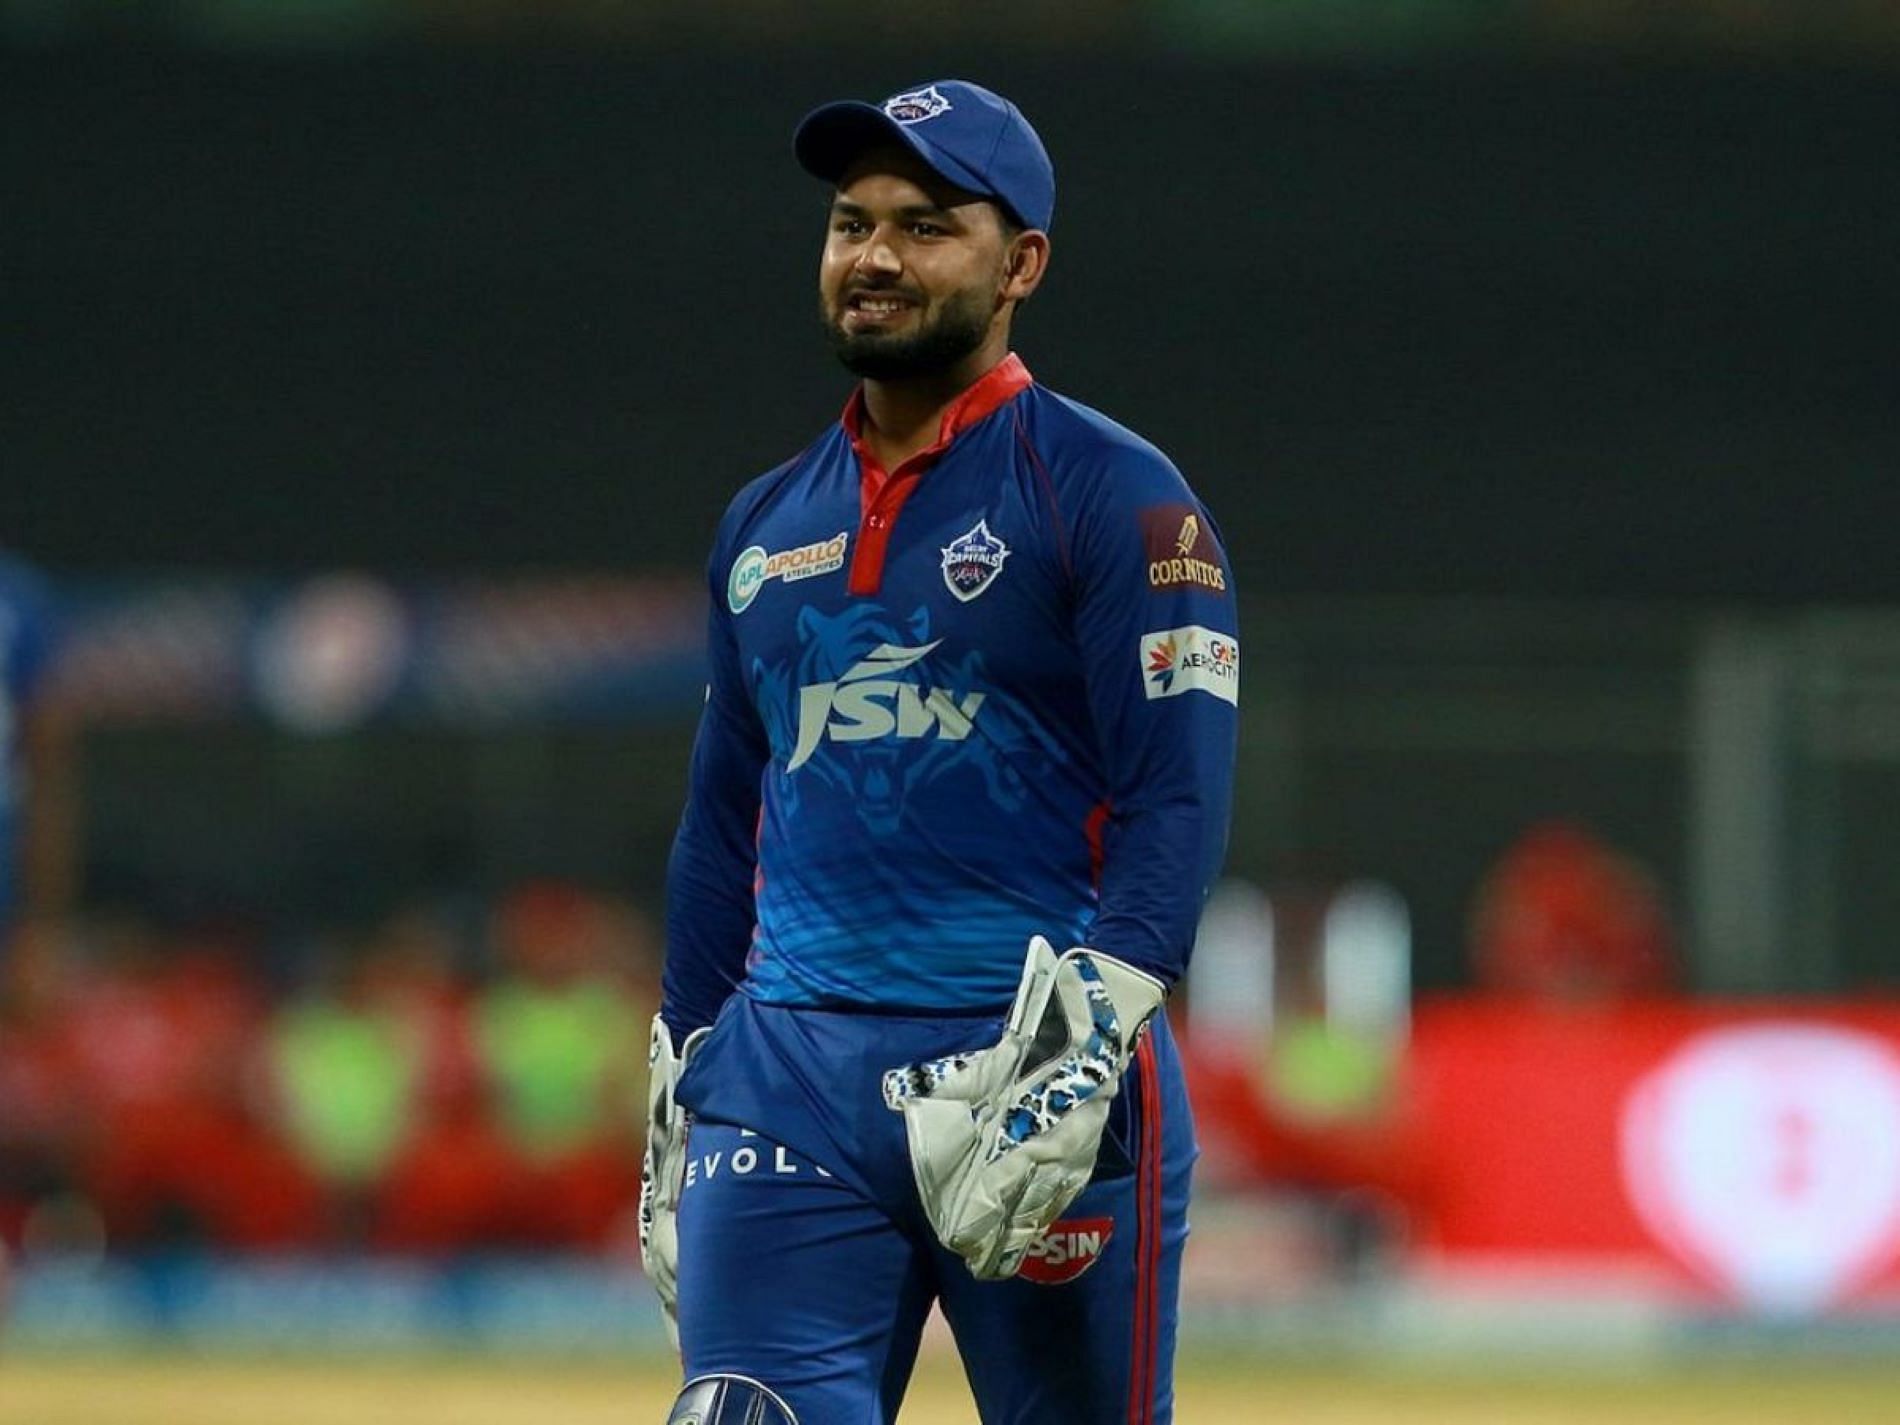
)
(1143, 1348)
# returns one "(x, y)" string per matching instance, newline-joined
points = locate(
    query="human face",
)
(913, 279)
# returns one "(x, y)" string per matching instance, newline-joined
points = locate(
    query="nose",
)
(879, 256)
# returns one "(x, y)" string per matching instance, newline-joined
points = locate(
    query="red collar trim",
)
(990, 393)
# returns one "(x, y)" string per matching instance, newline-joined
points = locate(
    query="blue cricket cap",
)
(966, 134)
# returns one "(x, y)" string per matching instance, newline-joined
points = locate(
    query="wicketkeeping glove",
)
(663, 1169)
(1002, 1139)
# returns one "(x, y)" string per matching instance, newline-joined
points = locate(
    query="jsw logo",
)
(867, 702)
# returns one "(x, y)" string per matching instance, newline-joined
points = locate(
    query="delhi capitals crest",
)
(972, 561)
(916, 105)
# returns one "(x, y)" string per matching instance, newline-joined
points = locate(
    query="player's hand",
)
(1002, 1139)
(663, 1169)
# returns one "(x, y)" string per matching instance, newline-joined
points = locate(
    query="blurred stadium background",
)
(374, 374)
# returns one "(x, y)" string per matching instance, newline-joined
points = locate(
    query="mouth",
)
(874, 308)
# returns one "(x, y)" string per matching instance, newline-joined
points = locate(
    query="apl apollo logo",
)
(754, 568)
(972, 561)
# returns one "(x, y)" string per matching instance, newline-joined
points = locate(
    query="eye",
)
(927, 229)
(850, 227)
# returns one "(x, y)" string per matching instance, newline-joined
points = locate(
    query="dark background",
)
(1599, 328)
(1511, 361)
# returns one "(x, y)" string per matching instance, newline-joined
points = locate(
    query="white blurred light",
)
(1366, 960)
(332, 654)
(1230, 983)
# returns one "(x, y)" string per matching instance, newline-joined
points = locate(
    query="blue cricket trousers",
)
(806, 1261)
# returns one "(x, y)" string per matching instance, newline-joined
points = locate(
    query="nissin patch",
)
(1067, 1250)
(1190, 659)
(1182, 551)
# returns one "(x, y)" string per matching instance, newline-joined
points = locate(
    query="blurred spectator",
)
(1564, 931)
(1300, 1090)
(559, 1046)
(557, 1032)
(451, 1185)
(149, 1085)
(563, 1041)
(347, 1065)
(1565, 917)
(163, 1036)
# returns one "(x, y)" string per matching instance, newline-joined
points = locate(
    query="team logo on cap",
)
(917, 105)
(972, 561)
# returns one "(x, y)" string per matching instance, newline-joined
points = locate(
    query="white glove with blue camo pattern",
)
(663, 1169)
(1002, 1139)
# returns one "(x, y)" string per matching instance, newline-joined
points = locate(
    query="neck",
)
(903, 417)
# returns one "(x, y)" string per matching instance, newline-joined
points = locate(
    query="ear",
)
(1024, 263)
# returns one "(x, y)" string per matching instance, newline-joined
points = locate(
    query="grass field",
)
(185, 1390)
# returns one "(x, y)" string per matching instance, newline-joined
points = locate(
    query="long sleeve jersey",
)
(988, 694)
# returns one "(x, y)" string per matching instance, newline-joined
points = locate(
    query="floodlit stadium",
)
(381, 375)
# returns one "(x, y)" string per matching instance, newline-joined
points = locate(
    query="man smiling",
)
(969, 694)
(922, 314)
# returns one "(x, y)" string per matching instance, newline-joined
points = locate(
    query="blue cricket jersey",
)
(25, 648)
(988, 694)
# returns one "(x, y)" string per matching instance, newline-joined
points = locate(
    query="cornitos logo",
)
(1189, 659)
(869, 701)
(1182, 553)
(754, 567)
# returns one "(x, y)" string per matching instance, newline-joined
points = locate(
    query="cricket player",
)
(960, 787)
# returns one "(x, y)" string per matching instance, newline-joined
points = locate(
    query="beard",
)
(961, 325)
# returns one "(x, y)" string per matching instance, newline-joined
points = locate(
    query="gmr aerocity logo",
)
(1766, 1157)
(1189, 659)
(754, 567)
(868, 701)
